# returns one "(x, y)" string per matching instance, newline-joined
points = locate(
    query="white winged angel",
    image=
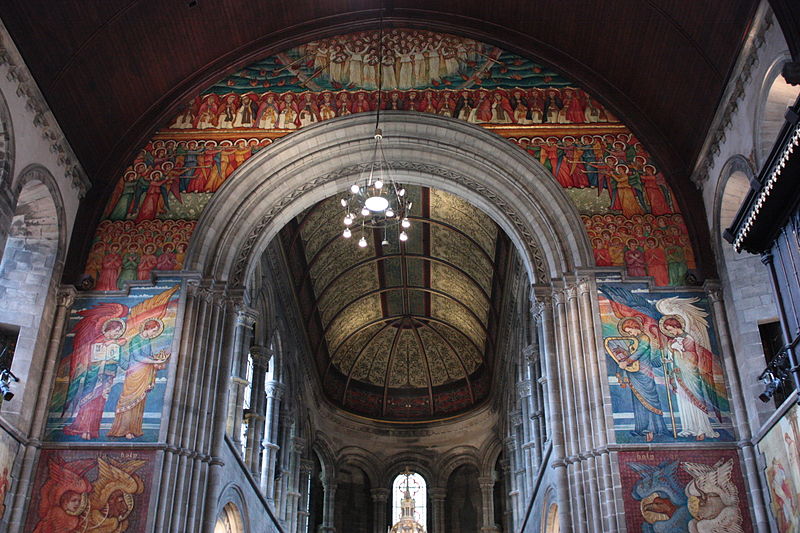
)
(713, 498)
(698, 381)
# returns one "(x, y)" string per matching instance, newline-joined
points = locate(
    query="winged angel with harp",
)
(111, 338)
(679, 330)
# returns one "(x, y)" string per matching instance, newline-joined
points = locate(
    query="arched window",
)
(230, 520)
(415, 484)
(247, 403)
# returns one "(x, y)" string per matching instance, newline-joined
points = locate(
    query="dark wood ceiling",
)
(114, 70)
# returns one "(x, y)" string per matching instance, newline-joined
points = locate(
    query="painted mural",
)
(781, 449)
(664, 368)
(112, 375)
(684, 491)
(8, 453)
(83, 490)
(605, 170)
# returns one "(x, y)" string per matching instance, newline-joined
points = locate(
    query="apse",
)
(401, 330)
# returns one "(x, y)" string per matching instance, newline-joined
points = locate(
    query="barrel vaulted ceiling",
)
(113, 71)
(401, 332)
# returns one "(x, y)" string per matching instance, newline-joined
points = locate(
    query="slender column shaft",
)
(380, 497)
(753, 476)
(274, 392)
(304, 487)
(542, 310)
(487, 500)
(64, 301)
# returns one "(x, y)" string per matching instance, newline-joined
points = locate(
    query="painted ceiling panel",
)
(405, 324)
(449, 311)
(350, 319)
(460, 287)
(460, 251)
(357, 282)
(459, 213)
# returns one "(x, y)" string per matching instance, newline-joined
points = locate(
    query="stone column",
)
(328, 504)
(380, 497)
(753, 476)
(542, 311)
(274, 393)
(245, 319)
(64, 300)
(508, 515)
(255, 435)
(598, 453)
(293, 485)
(304, 488)
(487, 499)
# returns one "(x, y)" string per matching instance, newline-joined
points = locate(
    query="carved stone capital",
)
(261, 355)
(714, 291)
(530, 354)
(245, 316)
(299, 444)
(306, 467)
(274, 389)
(380, 495)
(486, 482)
(66, 296)
(524, 388)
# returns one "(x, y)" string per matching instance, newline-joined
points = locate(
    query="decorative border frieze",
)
(43, 118)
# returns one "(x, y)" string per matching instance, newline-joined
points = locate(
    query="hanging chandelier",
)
(376, 202)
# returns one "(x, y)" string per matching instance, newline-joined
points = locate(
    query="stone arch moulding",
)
(322, 160)
(6, 145)
(35, 172)
(771, 74)
(232, 494)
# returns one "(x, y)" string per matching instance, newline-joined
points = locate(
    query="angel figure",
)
(96, 350)
(63, 499)
(140, 364)
(679, 329)
(713, 498)
(698, 377)
(112, 498)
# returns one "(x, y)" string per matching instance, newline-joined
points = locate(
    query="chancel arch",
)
(271, 366)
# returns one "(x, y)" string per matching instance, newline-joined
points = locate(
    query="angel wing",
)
(154, 307)
(88, 331)
(63, 477)
(626, 304)
(694, 317)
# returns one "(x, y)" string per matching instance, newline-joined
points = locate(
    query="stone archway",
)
(319, 161)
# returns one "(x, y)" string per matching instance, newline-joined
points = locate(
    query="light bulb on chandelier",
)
(376, 201)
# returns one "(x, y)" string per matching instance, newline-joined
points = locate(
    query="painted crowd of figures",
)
(660, 350)
(127, 251)
(164, 171)
(646, 245)
(89, 494)
(686, 495)
(615, 164)
(403, 59)
(290, 111)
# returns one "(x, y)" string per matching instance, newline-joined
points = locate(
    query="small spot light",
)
(347, 233)
(403, 236)
(389, 213)
(6, 377)
(362, 242)
(354, 189)
(365, 212)
(378, 184)
(348, 220)
(405, 223)
(771, 383)
(344, 202)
